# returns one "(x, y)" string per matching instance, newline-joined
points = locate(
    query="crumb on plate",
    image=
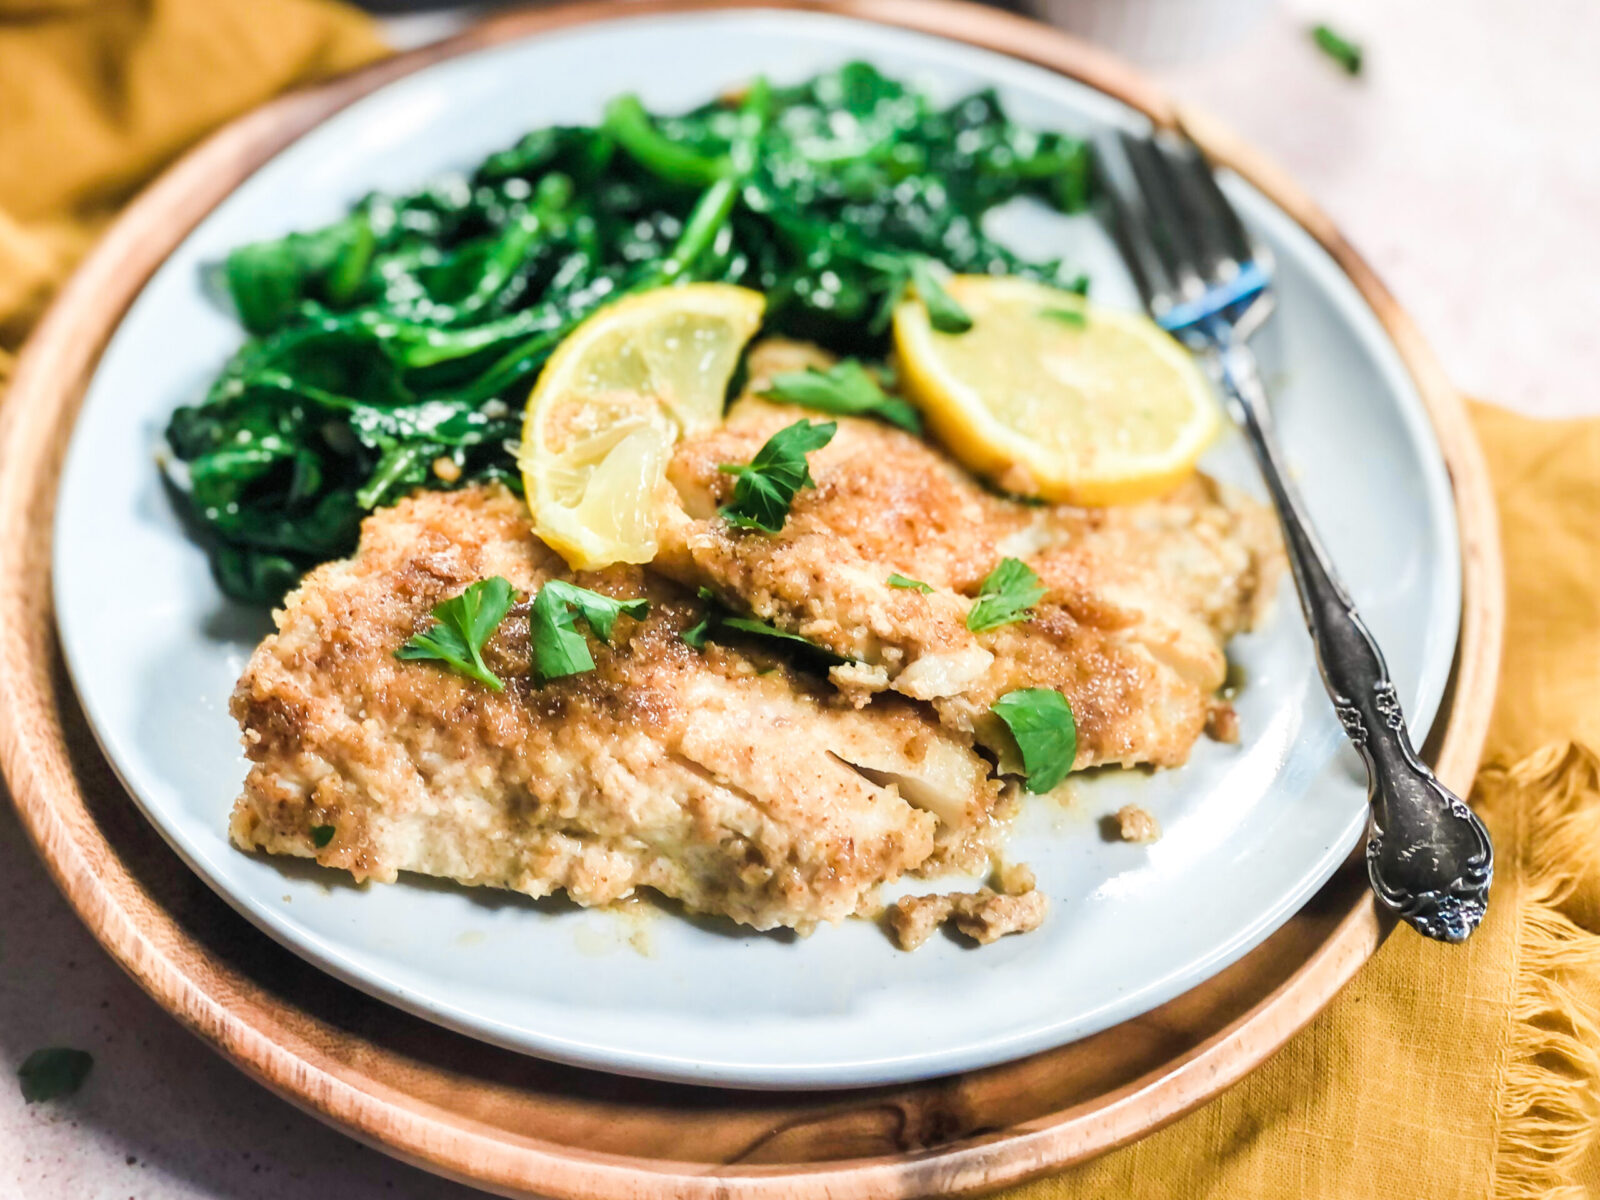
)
(985, 915)
(1135, 824)
(1222, 723)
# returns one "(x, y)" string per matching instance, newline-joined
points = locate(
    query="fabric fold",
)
(1550, 1105)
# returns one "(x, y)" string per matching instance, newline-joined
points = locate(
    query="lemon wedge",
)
(1049, 396)
(614, 398)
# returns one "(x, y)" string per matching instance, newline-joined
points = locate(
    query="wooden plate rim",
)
(48, 386)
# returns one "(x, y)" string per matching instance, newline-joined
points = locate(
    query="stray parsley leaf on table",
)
(52, 1072)
(1339, 48)
(767, 485)
(464, 625)
(845, 389)
(1006, 595)
(897, 580)
(1041, 721)
(558, 648)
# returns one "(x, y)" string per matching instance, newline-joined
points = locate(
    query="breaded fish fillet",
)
(1139, 600)
(724, 779)
(730, 778)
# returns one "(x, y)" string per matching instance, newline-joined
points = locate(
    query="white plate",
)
(1250, 831)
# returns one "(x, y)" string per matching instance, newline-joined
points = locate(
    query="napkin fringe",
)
(1550, 1105)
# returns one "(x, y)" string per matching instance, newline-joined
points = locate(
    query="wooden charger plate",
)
(522, 1126)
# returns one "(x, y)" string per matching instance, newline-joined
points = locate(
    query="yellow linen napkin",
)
(96, 96)
(1445, 1072)
(1441, 1072)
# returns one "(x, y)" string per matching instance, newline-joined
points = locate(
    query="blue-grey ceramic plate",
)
(1250, 830)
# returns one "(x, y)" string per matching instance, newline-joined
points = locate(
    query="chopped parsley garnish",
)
(719, 619)
(767, 629)
(558, 648)
(321, 835)
(897, 580)
(53, 1072)
(1040, 720)
(696, 635)
(846, 389)
(944, 314)
(463, 626)
(767, 485)
(1075, 317)
(1006, 595)
(1339, 48)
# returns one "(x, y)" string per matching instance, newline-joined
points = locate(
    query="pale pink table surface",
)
(1464, 165)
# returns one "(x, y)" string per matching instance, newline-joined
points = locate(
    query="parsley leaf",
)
(719, 619)
(897, 580)
(944, 314)
(695, 636)
(767, 486)
(845, 389)
(1075, 317)
(321, 835)
(1341, 49)
(53, 1071)
(767, 629)
(558, 648)
(464, 624)
(1006, 595)
(1040, 719)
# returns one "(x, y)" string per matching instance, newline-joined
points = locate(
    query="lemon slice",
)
(1049, 396)
(615, 396)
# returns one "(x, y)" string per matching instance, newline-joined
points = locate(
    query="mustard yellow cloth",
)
(1445, 1072)
(96, 96)
(1440, 1072)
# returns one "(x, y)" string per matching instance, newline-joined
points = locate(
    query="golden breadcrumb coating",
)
(733, 779)
(723, 779)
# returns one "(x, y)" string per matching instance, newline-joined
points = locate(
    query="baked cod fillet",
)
(1139, 602)
(723, 779)
(731, 779)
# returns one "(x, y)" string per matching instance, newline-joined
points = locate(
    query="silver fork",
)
(1209, 284)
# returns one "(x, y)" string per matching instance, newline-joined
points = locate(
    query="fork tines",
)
(1190, 255)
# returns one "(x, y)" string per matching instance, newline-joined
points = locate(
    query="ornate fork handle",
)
(1428, 854)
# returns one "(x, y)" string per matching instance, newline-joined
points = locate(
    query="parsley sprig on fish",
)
(462, 627)
(558, 648)
(1006, 595)
(720, 622)
(768, 483)
(1042, 724)
(393, 349)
